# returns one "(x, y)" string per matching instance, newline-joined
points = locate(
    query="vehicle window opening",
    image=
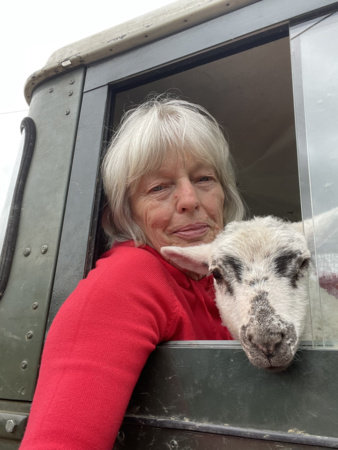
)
(251, 95)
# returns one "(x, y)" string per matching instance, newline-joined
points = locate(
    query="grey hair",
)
(145, 136)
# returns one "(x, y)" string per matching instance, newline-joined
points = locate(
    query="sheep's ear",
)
(194, 259)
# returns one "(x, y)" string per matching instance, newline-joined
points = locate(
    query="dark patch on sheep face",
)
(291, 265)
(228, 270)
(235, 265)
(221, 280)
(256, 281)
(283, 262)
(268, 340)
(217, 275)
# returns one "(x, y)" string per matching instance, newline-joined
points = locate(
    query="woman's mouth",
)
(192, 231)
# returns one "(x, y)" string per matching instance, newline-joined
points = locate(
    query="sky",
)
(30, 31)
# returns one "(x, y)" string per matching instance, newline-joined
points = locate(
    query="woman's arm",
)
(94, 353)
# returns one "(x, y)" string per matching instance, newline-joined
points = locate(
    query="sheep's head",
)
(260, 269)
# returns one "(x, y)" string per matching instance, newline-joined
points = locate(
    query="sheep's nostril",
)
(268, 350)
(271, 349)
(268, 344)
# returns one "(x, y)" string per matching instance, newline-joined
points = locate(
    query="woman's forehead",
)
(184, 159)
(170, 164)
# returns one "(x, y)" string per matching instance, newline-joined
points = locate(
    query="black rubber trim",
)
(11, 234)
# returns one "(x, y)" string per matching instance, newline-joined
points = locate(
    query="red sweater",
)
(101, 338)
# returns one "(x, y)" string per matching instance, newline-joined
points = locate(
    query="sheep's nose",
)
(266, 341)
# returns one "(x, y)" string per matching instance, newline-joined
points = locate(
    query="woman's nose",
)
(186, 197)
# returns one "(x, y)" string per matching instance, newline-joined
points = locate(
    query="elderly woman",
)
(169, 181)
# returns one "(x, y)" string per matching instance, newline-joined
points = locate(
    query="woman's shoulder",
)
(121, 275)
(126, 254)
(125, 262)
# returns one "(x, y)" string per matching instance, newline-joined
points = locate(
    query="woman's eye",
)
(204, 178)
(157, 188)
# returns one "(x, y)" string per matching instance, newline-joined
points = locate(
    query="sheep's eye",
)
(304, 264)
(217, 275)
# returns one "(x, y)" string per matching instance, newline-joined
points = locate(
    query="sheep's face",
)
(260, 269)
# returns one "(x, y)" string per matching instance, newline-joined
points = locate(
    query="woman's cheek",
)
(156, 218)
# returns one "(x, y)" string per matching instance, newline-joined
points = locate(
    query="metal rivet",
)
(51, 90)
(22, 390)
(66, 63)
(67, 112)
(173, 444)
(44, 249)
(27, 251)
(121, 436)
(35, 305)
(71, 82)
(70, 93)
(29, 334)
(10, 426)
(24, 365)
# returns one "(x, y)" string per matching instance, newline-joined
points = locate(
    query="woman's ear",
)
(193, 259)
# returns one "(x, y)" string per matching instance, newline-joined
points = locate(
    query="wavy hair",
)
(146, 135)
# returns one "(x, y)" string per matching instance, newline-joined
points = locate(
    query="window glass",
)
(314, 47)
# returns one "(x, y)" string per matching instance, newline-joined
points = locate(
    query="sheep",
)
(260, 268)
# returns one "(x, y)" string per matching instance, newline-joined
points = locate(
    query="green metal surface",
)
(13, 419)
(214, 384)
(81, 216)
(9, 445)
(12, 425)
(23, 309)
(152, 438)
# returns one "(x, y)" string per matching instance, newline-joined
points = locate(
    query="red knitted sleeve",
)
(95, 351)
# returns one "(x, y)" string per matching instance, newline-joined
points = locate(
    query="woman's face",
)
(180, 204)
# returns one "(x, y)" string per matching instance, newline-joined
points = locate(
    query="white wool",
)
(261, 271)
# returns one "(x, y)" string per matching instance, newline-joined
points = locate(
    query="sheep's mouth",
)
(275, 363)
(283, 365)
